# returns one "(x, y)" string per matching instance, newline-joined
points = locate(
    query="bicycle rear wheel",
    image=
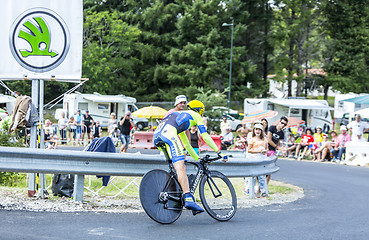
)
(161, 196)
(218, 196)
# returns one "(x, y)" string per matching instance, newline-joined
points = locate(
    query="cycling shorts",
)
(168, 134)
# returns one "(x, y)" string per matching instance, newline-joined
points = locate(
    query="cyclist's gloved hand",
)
(223, 156)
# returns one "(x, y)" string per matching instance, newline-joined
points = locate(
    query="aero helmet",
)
(196, 106)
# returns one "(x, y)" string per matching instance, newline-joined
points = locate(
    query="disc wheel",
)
(162, 204)
(218, 196)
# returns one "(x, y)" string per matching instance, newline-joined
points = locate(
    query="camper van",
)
(101, 106)
(313, 112)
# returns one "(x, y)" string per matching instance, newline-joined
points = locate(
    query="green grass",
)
(132, 190)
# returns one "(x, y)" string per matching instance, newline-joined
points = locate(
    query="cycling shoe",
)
(190, 204)
(194, 207)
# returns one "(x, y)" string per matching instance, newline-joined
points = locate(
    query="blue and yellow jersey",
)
(182, 121)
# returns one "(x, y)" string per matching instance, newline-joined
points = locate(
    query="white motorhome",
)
(313, 112)
(101, 106)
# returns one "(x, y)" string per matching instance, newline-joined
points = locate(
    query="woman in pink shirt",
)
(340, 146)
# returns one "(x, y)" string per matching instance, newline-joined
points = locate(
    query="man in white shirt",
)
(224, 125)
(357, 129)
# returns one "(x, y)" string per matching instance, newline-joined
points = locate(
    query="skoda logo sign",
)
(39, 40)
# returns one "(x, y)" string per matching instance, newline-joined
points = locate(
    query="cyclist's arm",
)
(187, 145)
(205, 136)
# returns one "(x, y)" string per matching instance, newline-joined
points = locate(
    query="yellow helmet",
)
(196, 106)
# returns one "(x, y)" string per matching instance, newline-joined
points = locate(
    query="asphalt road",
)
(335, 206)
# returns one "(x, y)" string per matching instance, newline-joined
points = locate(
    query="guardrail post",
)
(79, 181)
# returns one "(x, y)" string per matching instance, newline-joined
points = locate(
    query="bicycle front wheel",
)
(218, 196)
(161, 196)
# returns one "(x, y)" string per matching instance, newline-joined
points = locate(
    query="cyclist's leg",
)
(176, 153)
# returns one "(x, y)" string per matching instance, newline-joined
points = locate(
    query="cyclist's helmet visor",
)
(196, 106)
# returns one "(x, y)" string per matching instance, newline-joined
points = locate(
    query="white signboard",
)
(41, 39)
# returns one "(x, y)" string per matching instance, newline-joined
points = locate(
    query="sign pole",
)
(33, 138)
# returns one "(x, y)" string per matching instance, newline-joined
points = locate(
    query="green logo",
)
(39, 40)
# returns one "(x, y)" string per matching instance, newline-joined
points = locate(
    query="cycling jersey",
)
(174, 125)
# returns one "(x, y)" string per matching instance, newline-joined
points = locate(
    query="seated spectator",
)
(340, 145)
(322, 152)
(258, 145)
(306, 143)
(227, 139)
(291, 145)
(318, 136)
(50, 139)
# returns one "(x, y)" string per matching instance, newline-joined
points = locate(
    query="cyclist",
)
(174, 125)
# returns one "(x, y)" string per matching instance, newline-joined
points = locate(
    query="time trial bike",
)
(161, 193)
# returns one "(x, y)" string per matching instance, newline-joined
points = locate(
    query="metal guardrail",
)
(113, 164)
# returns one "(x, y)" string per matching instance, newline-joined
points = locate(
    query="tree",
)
(107, 52)
(347, 56)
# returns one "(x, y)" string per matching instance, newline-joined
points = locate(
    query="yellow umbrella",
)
(150, 112)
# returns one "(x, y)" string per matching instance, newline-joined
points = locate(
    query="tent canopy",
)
(302, 104)
(359, 100)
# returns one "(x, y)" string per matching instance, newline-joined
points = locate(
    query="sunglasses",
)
(284, 123)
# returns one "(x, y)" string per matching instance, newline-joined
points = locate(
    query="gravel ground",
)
(11, 199)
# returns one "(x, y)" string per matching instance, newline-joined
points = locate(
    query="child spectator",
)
(257, 146)
(323, 151)
(307, 142)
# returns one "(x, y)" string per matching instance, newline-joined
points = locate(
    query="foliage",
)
(9, 140)
(155, 50)
(348, 45)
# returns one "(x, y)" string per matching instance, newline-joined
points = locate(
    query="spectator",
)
(357, 129)
(333, 138)
(62, 125)
(149, 128)
(72, 126)
(224, 125)
(275, 136)
(213, 133)
(51, 141)
(242, 133)
(133, 130)
(89, 123)
(227, 140)
(340, 146)
(322, 153)
(80, 125)
(257, 146)
(306, 143)
(112, 123)
(291, 145)
(195, 139)
(97, 130)
(265, 124)
(180, 104)
(318, 136)
(125, 125)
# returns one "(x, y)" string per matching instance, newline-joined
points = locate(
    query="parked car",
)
(215, 123)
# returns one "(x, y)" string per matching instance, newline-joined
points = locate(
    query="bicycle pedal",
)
(195, 212)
